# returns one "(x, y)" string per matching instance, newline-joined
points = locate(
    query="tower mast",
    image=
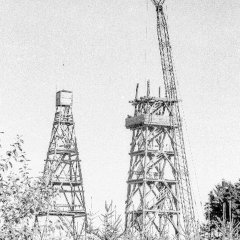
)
(159, 199)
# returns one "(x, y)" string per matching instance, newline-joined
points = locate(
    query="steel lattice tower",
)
(65, 216)
(159, 200)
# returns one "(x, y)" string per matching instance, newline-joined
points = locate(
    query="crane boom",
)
(185, 193)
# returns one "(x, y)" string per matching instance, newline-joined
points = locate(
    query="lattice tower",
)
(65, 217)
(159, 198)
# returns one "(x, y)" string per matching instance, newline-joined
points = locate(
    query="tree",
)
(223, 211)
(110, 229)
(21, 197)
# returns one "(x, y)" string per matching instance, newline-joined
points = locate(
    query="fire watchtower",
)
(159, 198)
(152, 206)
(62, 170)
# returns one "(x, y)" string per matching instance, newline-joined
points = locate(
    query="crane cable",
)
(146, 43)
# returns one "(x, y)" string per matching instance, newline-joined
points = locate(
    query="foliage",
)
(223, 210)
(21, 197)
(110, 229)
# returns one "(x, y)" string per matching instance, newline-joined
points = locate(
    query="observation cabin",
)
(64, 98)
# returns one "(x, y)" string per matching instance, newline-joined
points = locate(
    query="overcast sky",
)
(100, 50)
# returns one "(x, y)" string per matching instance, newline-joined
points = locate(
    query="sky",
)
(100, 50)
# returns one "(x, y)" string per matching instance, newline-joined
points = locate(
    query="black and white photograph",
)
(120, 120)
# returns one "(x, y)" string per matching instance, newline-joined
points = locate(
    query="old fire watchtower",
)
(66, 215)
